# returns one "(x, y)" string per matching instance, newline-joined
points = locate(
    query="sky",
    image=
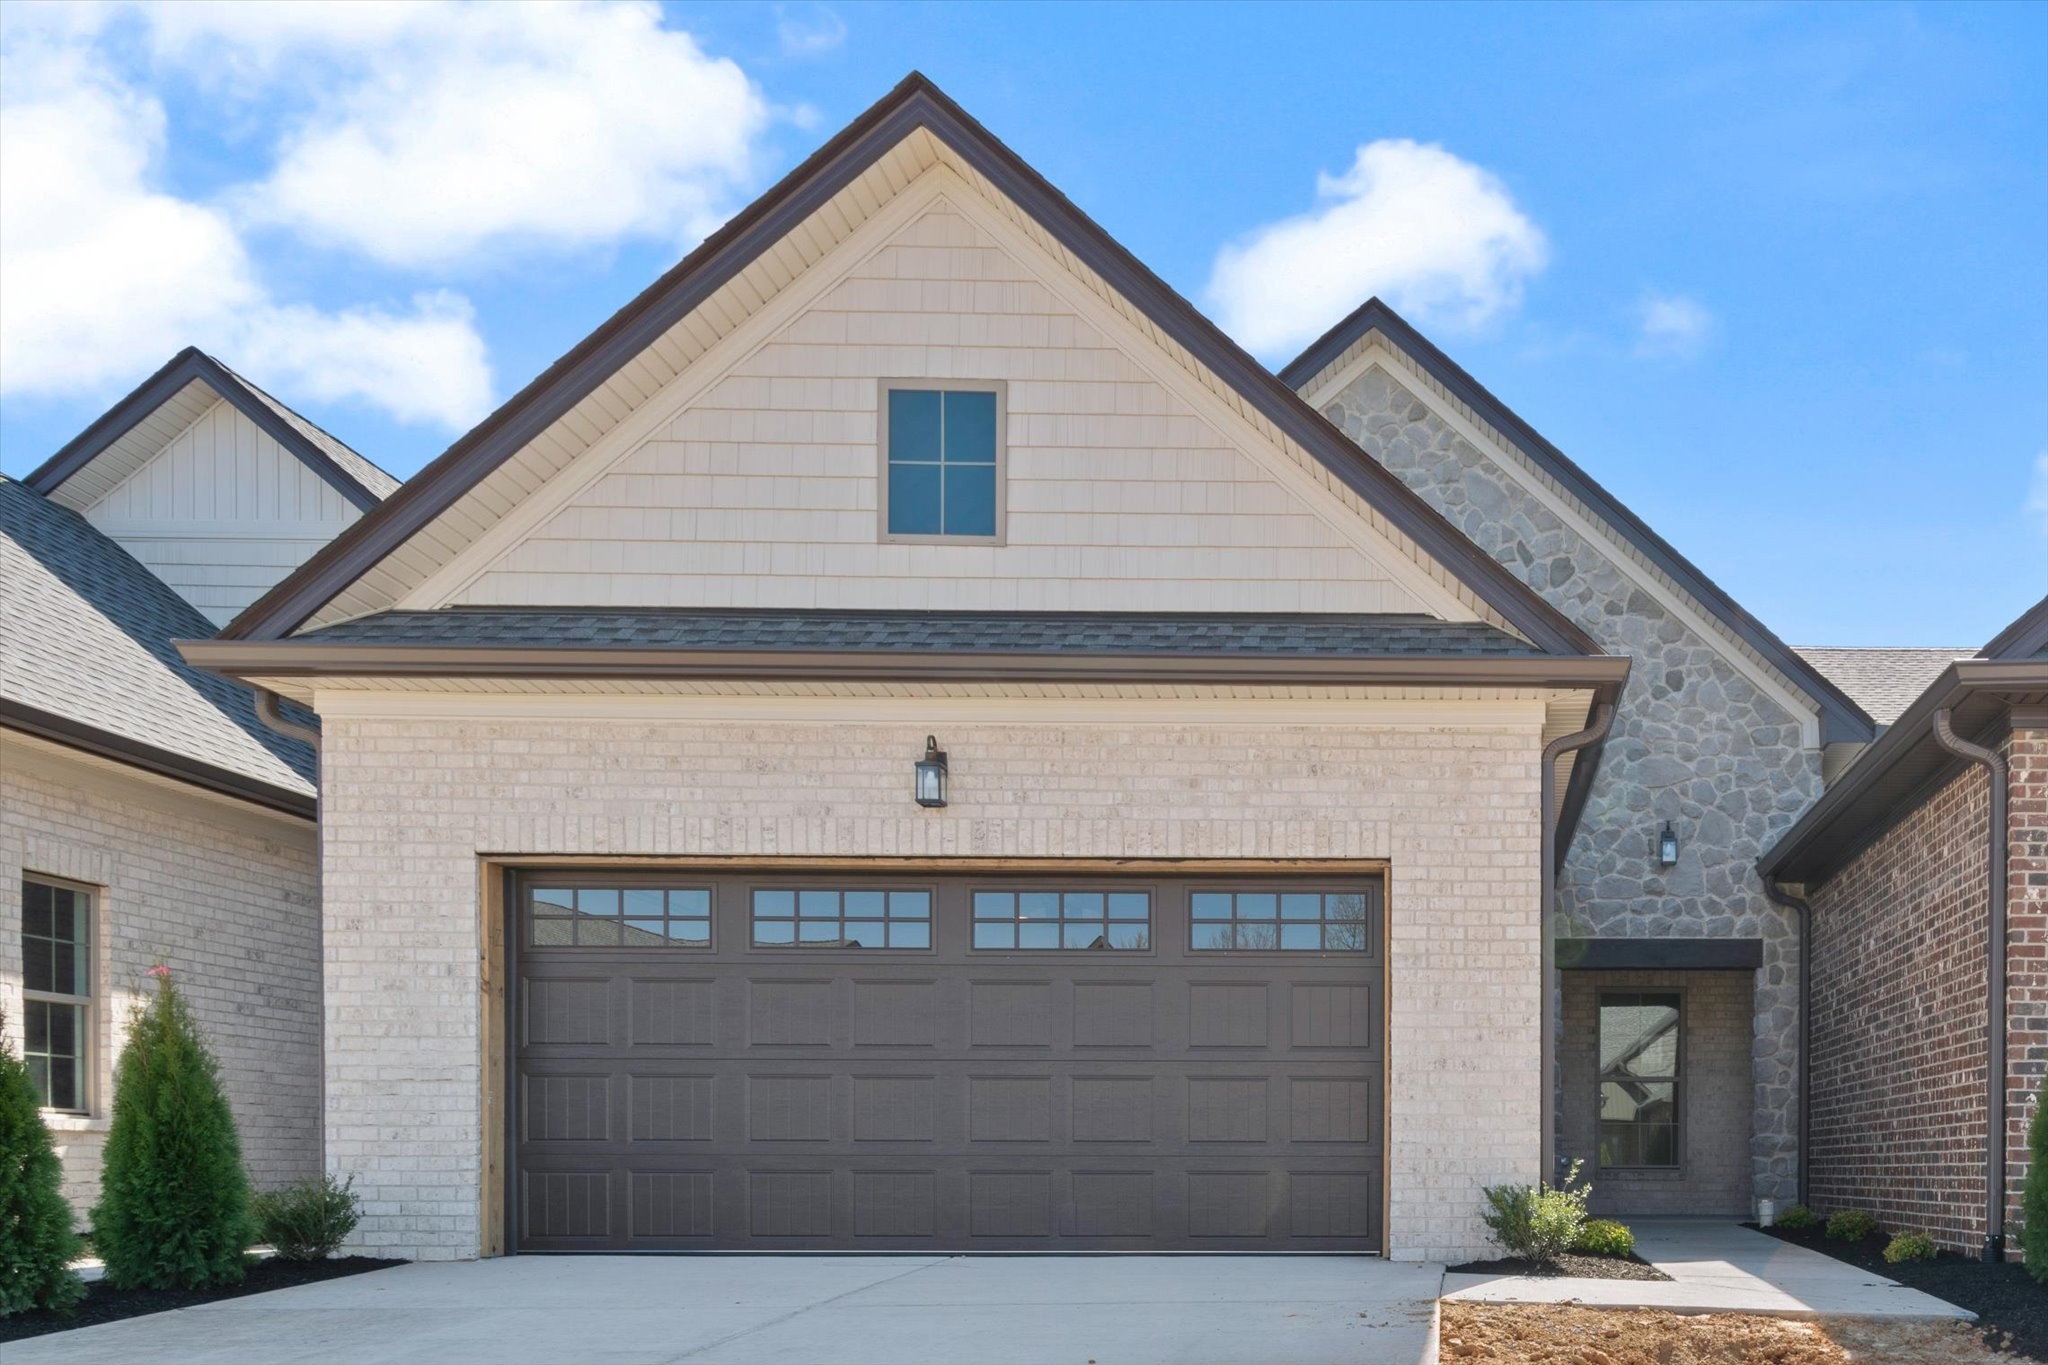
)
(1776, 275)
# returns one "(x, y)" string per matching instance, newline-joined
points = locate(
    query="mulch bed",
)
(2011, 1306)
(104, 1303)
(1571, 1265)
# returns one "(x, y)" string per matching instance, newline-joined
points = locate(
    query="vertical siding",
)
(222, 513)
(764, 490)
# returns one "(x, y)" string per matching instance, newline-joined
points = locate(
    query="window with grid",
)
(1280, 921)
(822, 917)
(1639, 1078)
(1042, 920)
(943, 471)
(619, 917)
(56, 979)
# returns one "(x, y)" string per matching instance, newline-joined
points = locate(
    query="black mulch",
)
(103, 1303)
(2011, 1306)
(1570, 1264)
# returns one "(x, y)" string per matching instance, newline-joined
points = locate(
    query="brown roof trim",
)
(28, 720)
(2022, 639)
(1906, 765)
(1841, 718)
(183, 368)
(286, 658)
(915, 103)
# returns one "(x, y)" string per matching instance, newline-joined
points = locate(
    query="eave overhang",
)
(1904, 767)
(71, 734)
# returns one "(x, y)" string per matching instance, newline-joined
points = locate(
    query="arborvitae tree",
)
(2034, 1195)
(174, 1200)
(37, 1244)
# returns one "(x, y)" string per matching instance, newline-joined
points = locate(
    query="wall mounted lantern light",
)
(931, 774)
(1666, 846)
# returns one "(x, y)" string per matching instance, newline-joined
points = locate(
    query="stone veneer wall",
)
(1694, 742)
(1713, 1094)
(408, 806)
(228, 898)
(1899, 948)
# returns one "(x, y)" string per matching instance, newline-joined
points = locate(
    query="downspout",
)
(1603, 719)
(267, 711)
(1994, 1096)
(1777, 895)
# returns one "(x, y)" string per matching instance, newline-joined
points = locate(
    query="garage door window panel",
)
(833, 917)
(1062, 920)
(619, 917)
(1281, 921)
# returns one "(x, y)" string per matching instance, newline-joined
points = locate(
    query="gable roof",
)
(89, 663)
(914, 106)
(1907, 764)
(1883, 681)
(134, 429)
(1842, 718)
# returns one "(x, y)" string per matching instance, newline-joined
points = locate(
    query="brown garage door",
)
(968, 1063)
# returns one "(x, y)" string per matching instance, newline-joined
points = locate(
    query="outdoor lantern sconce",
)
(1666, 845)
(931, 774)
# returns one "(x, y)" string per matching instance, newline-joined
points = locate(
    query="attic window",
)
(942, 466)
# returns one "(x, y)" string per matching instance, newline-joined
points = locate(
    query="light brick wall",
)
(410, 804)
(229, 900)
(1899, 1054)
(1713, 1104)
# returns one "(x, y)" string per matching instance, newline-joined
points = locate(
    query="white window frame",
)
(1001, 389)
(88, 1005)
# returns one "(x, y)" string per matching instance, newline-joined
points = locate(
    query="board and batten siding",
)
(762, 490)
(222, 513)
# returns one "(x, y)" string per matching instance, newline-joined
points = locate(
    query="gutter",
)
(1777, 895)
(1602, 721)
(1995, 1078)
(268, 712)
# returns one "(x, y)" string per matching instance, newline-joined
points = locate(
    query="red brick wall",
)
(1899, 949)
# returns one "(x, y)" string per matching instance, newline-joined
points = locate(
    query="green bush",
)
(1605, 1237)
(2034, 1195)
(1537, 1223)
(309, 1220)
(1851, 1225)
(174, 1201)
(1798, 1218)
(37, 1243)
(1909, 1246)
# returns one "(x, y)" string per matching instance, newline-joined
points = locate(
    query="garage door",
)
(968, 1063)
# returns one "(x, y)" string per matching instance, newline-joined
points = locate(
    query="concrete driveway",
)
(806, 1310)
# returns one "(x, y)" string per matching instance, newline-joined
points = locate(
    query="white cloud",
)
(812, 34)
(106, 275)
(1435, 236)
(1672, 325)
(2037, 495)
(440, 131)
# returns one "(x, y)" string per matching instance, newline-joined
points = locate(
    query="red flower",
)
(160, 971)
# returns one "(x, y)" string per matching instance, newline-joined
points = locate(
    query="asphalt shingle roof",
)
(1335, 636)
(85, 635)
(1883, 681)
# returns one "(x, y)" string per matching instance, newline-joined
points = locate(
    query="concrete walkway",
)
(812, 1310)
(1718, 1267)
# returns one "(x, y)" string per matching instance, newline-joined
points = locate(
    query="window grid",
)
(943, 461)
(830, 917)
(1047, 921)
(1639, 1078)
(1280, 921)
(56, 951)
(619, 917)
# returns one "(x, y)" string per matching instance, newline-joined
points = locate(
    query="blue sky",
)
(1776, 275)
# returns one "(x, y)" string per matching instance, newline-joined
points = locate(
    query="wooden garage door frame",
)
(498, 995)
